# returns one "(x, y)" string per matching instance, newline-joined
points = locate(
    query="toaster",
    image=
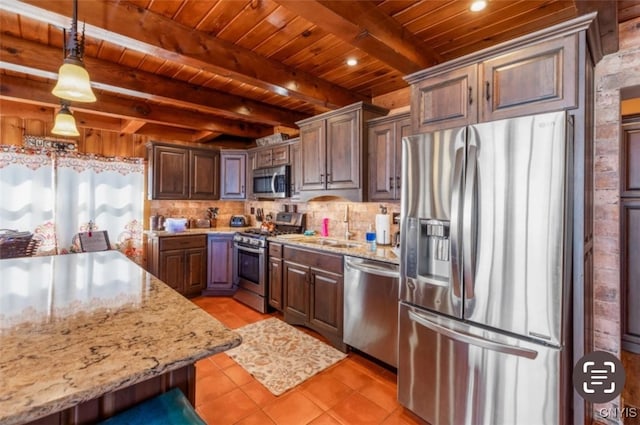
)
(238, 221)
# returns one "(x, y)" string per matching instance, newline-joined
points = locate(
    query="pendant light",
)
(73, 79)
(65, 123)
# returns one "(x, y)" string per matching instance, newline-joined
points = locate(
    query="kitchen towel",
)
(383, 229)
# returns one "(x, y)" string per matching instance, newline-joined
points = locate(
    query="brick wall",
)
(615, 71)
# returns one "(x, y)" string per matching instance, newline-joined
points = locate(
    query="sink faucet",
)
(347, 233)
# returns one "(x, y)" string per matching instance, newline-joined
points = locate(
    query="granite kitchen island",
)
(84, 336)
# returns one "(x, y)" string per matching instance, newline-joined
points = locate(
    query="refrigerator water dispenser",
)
(433, 249)
(428, 252)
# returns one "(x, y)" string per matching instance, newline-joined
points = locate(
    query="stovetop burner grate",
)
(260, 232)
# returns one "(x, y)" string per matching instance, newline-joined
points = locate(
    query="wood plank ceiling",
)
(239, 69)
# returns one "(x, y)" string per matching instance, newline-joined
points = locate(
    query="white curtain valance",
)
(58, 194)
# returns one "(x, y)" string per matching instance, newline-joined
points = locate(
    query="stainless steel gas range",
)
(250, 248)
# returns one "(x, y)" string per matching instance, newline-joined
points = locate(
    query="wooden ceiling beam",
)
(95, 121)
(607, 21)
(26, 110)
(204, 136)
(42, 60)
(136, 28)
(168, 133)
(15, 88)
(628, 9)
(131, 126)
(363, 25)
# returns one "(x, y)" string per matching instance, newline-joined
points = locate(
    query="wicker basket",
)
(17, 244)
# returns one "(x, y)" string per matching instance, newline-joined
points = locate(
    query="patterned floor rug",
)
(280, 356)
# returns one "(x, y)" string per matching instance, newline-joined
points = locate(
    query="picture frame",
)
(94, 241)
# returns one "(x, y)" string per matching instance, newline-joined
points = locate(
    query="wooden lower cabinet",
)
(313, 292)
(275, 276)
(220, 265)
(110, 404)
(180, 262)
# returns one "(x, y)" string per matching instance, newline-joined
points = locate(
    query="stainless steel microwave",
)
(272, 182)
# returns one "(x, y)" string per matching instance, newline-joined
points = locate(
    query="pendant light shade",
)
(65, 124)
(73, 82)
(73, 79)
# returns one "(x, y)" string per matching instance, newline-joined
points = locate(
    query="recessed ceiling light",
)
(478, 5)
(352, 62)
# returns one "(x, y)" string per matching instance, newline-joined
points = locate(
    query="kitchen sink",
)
(345, 245)
(333, 243)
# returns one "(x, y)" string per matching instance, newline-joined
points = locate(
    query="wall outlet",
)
(396, 218)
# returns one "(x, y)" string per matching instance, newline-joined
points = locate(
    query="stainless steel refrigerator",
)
(485, 273)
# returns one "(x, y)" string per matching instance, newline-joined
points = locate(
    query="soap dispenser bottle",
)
(371, 238)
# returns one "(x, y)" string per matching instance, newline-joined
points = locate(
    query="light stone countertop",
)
(74, 327)
(198, 231)
(354, 248)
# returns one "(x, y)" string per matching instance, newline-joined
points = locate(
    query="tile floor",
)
(352, 392)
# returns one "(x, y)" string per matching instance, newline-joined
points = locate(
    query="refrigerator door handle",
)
(466, 338)
(458, 171)
(468, 217)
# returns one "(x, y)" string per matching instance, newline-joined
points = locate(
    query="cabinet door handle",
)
(390, 182)
(397, 182)
(328, 178)
(470, 96)
(321, 178)
(488, 90)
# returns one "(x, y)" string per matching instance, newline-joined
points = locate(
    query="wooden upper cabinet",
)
(343, 151)
(177, 172)
(333, 152)
(270, 157)
(233, 175)
(205, 176)
(263, 158)
(295, 153)
(280, 155)
(169, 169)
(486, 87)
(445, 101)
(532, 80)
(252, 164)
(312, 144)
(385, 155)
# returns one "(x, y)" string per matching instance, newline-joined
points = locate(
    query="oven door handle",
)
(247, 249)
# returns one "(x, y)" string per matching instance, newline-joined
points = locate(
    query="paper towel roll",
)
(383, 229)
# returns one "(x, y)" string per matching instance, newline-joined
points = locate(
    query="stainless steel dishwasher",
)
(371, 307)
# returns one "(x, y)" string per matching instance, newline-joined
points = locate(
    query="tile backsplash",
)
(360, 214)
(196, 209)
